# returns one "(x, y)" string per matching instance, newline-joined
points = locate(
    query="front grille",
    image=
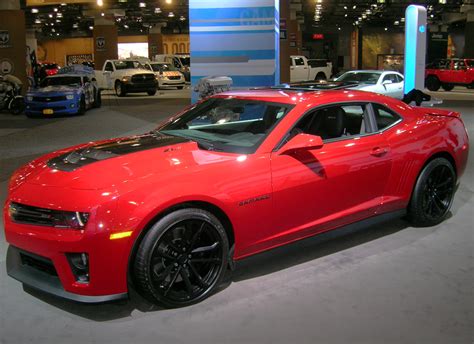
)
(49, 99)
(174, 77)
(41, 264)
(143, 78)
(31, 215)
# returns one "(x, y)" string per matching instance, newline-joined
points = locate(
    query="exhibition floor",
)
(384, 284)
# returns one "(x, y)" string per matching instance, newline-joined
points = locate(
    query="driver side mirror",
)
(301, 142)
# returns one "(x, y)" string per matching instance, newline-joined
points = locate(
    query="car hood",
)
(53, 89)
(107, 164)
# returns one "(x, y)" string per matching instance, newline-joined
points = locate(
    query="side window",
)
(299, 61)
(147, 66)
(335, 122)
(109, 67)
(390, 77)
(459, 65)
(399, 78)
(384, 117)
(86, 79)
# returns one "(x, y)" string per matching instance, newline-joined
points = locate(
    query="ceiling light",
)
(142, 5)
(55, 9)
(37, 21)
(345, 7)
(386, 29)
(102, 14)
(57, 34)
(91, 28)
(345, 15)
(34, 10)
(53, 30)
(364, 16)
(354, 7)
(59, 15)
(182, 18)
(100, 3)
(171, 15)
(432, 16)
(402, 20)
(125, 26)
(63, 4)
(339, 28)
(168, 1)
(157, 10)
(75, 26)
(442, 2)
(58, 20)
(396, 22)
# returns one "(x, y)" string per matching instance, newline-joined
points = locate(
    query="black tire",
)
(180, 87)
(16, 106)
(120, 89)
(98, 99)
(432, 83)
(151, 92)
(433, 193)
(320, 77)
(447, 87)
(182, 259)
(82, 106)
(470, 86)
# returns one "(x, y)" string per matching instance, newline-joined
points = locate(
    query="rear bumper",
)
(47, 282)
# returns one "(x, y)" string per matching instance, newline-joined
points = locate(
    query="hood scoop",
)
(73, 160)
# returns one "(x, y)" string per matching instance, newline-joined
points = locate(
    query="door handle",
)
(379, 151)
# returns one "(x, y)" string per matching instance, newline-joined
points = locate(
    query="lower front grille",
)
(174, 77)
(49, 99)
(38, 263)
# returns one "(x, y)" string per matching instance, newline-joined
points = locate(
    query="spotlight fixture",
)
(171, 15)
(182, 18)
(157, 10)
(354, 7)
(37, 21)
(55, 9)
(396, 22)
(142, 5)
(386, 29)
(34, 10)
(91, 28)
(75, 25)
(125, 26)
(50, 15)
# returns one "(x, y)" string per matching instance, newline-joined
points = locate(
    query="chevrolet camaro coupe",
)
(170, 211)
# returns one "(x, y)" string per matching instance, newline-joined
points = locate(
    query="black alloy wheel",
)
(82, 106)
(432, 83)
(433, 194)
(447, 87)
(182, 258)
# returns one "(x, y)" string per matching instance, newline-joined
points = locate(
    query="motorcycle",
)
(10, 98)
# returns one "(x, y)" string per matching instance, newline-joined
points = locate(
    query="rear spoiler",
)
(438, 112)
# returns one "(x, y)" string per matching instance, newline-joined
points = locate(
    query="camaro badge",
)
(253, 200)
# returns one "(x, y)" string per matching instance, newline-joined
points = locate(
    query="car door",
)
(391, 86)
(299, 71)
(459, 72)
(344, 181)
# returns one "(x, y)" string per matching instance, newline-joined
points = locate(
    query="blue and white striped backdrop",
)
(236, 38)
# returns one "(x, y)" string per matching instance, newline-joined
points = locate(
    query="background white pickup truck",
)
(302, 69)
(126, 76)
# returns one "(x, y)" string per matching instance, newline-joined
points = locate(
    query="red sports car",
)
(242, 172)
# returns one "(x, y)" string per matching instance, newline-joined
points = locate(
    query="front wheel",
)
(98, 99)
(120, 89)
(182, 258)
(151, 92)
(433, 194)
(320, 77)
(432, 83)
(82, 106)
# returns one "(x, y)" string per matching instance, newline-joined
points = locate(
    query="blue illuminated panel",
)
(236, 38)
(415, 48)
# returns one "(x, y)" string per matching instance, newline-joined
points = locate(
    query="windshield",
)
(360, 77)
(127, 65)
(185, 61)
(229, 125)
(62, 81)
(162, 67)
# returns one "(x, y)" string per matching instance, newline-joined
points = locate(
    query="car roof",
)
(295, 96)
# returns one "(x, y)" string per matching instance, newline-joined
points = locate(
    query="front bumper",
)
(64, 107)
(107, 259)
(47, 282)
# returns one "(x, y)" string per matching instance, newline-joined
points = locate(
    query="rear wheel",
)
(433, 194)
(320, 77)
(432, 83)
(448, 87)
(182, 258)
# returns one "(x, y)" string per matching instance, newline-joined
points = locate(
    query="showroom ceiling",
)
(138, 16)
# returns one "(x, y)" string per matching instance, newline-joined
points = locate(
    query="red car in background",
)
(447, 73)
(48, 69)
(167, 212)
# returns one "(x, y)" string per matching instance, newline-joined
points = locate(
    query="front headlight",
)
(47, 217)
(69, 96)
(126, 78)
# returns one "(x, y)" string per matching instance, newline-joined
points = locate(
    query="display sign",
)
(318, 36)
(100, 43)
(6, 66)
(5, 39)
(415, 48)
